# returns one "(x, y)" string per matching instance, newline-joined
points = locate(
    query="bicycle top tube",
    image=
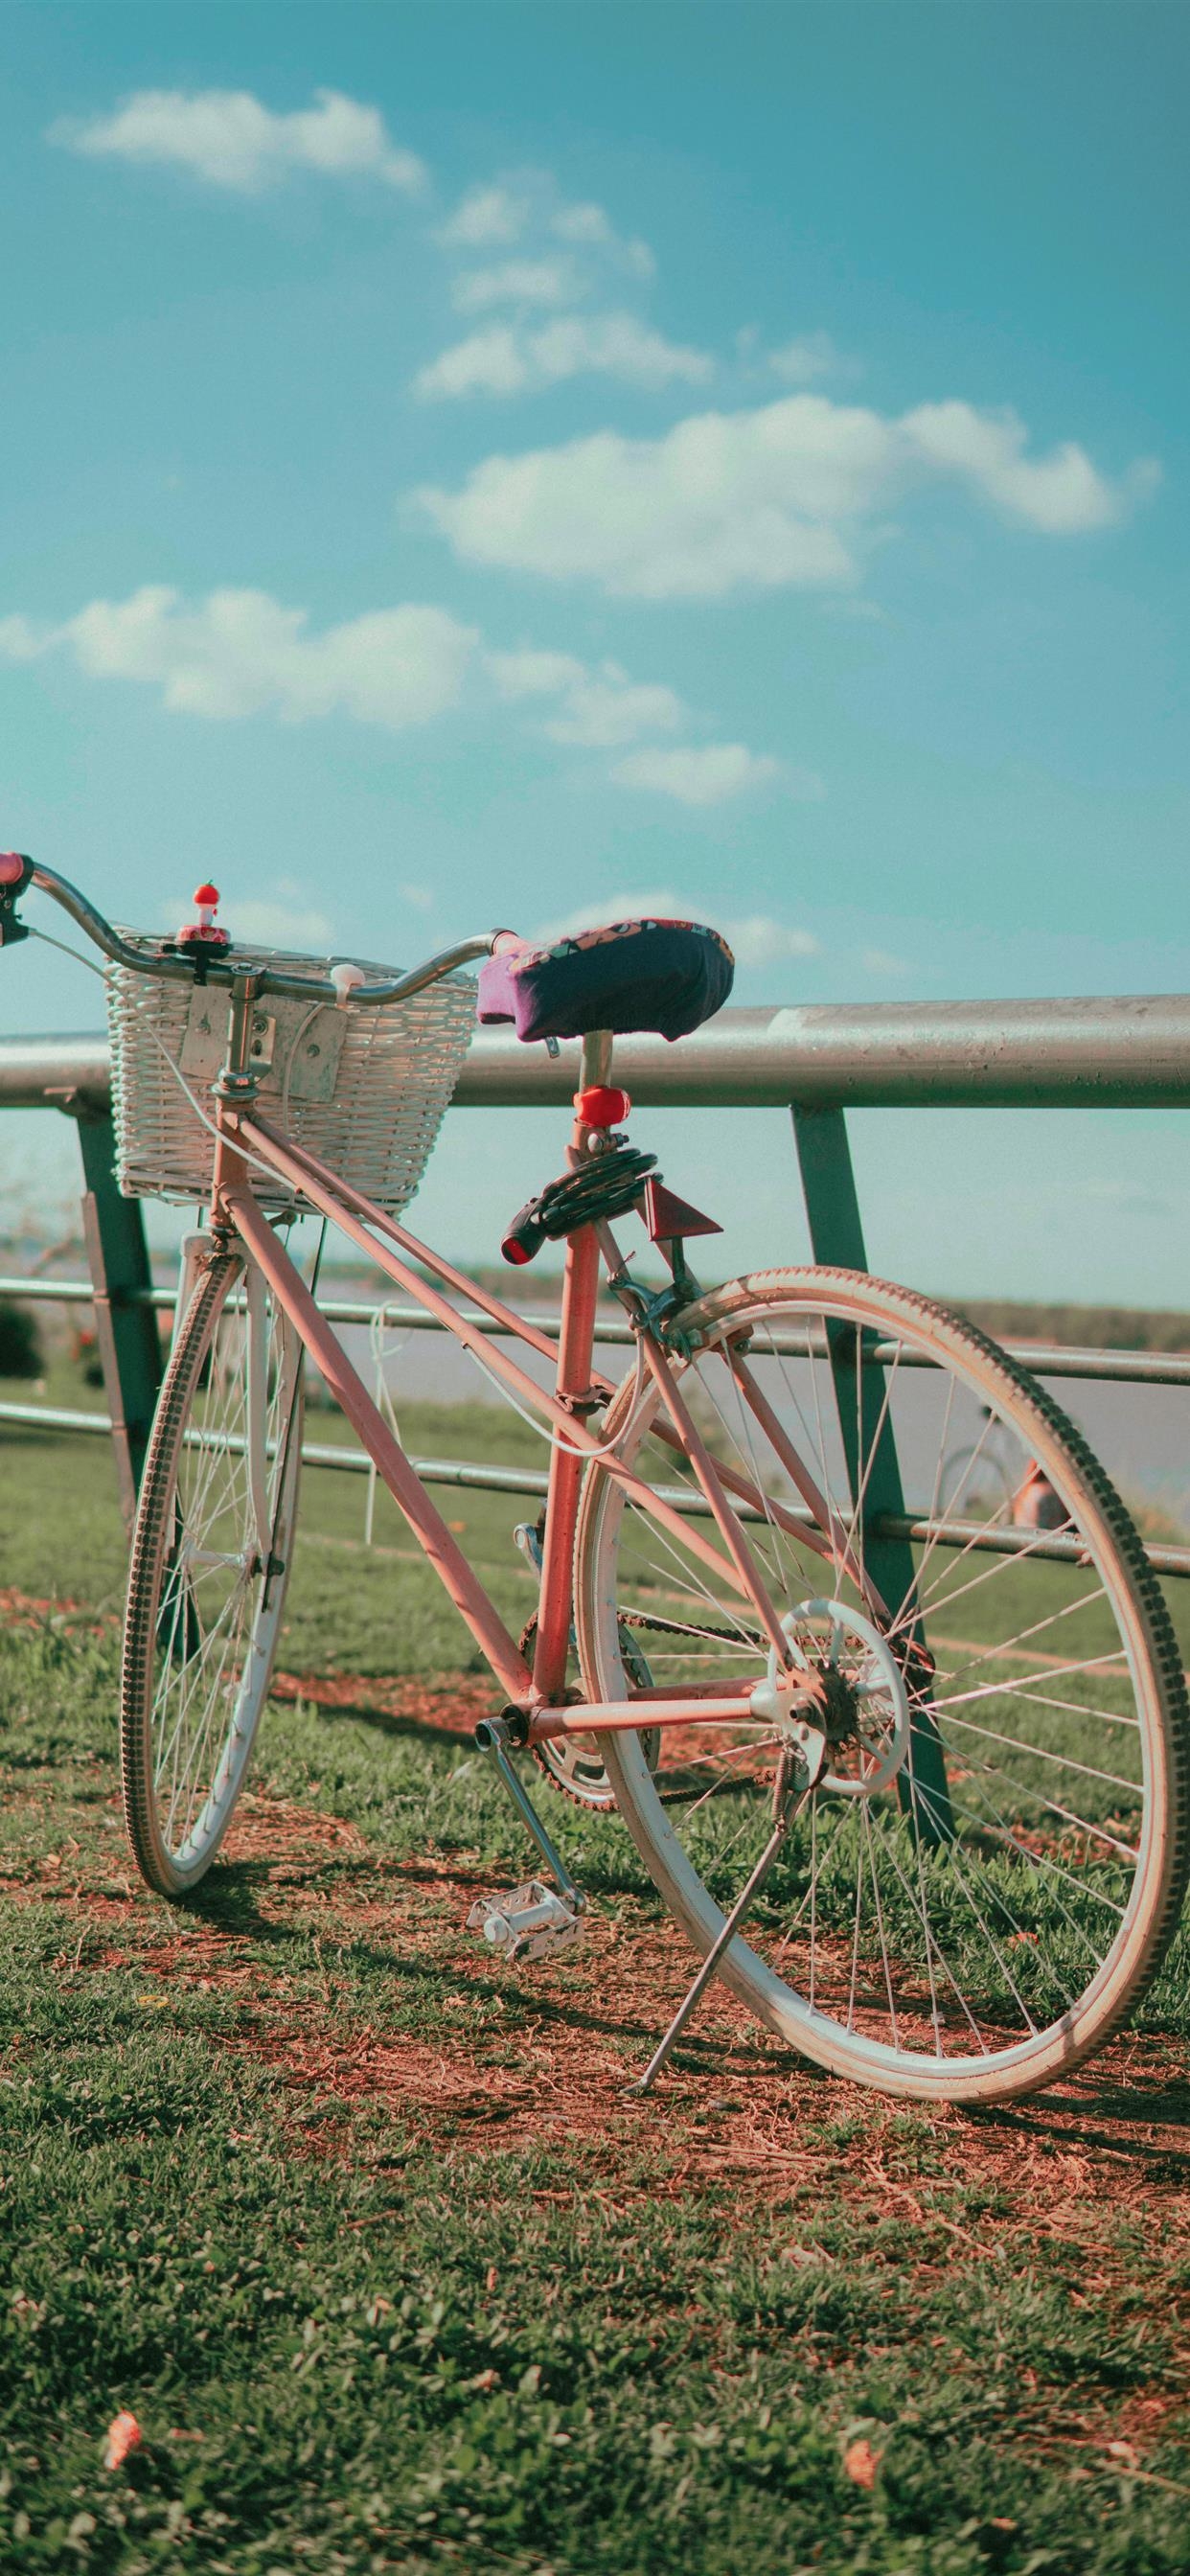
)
(224, 970)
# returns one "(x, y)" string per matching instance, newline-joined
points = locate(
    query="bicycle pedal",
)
(527, 1923)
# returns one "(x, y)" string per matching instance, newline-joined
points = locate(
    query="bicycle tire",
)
(1046, 1866)
(202, 1619)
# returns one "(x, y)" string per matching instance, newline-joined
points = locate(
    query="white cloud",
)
(582, 223)
(486, 218)
(516, 281)
(241, 653)
(706, 775)
(421, 897)
(602, 712)
(1061, 494)
(599, 709)
(802, 362)
(490, 362)
(227, 137)
(590, 225)
(783, 495)
(526, 209)
(507, 359)
(758, 940)
(879, 961)
(615, 344)
(755, 940)
(493, 216)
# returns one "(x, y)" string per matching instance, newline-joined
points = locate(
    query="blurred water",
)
(1141, 1434)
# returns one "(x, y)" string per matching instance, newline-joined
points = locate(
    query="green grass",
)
(383, 1612)
(362, 2334)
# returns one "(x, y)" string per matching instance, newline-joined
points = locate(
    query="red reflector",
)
(515, 1252)
(602, 1106)
(670, 1219)
(206, 894)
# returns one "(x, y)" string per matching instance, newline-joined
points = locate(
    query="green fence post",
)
(125, 1328)
(837, 1237)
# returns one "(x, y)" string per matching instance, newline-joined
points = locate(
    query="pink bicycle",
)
(938, 1761)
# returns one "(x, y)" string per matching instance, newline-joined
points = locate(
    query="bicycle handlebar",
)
(265, 979)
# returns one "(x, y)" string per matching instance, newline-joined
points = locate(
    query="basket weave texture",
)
(365, 1090)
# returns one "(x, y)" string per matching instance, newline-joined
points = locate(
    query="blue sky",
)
(501, 462)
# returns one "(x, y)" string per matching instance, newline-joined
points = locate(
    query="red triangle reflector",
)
(669, 1219)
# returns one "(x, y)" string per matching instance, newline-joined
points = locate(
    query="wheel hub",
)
(856, 1695)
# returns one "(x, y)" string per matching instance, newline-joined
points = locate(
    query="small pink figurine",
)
(205, 928)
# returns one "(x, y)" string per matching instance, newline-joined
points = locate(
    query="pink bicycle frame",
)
(535, 1696)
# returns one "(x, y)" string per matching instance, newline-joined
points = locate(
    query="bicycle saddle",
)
(666, 977)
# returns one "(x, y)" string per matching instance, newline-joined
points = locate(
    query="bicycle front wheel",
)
(992, 1864)
(210, 1562)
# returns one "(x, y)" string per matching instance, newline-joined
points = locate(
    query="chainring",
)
(577, 1768)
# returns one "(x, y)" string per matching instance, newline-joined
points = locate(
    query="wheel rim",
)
(984, 1960)
(202, 1639)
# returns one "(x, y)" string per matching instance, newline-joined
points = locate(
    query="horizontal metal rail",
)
(1045, 1359)
(1129, 1051)
(979, 1538)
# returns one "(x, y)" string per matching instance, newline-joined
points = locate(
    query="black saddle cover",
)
(666, 977)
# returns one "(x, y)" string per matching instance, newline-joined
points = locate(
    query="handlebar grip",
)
(523, 1239)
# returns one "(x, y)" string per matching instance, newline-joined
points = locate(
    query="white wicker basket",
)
(365, 1090)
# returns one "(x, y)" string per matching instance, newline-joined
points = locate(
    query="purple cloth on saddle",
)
(664, 976)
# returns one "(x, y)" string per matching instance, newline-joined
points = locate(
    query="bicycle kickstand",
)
(530, 1920)
(799, 1766)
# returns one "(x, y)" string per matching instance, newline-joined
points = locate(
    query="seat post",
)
(597, 1058)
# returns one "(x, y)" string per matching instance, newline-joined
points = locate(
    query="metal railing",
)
(1119, 1053)
(1129, 1051)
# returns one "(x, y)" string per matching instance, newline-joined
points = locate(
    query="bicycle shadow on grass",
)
(231, 1904)
(383, 1721)
(1089, 2109)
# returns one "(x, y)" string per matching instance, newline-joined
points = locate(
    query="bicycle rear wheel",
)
(210, 1562)
(992, 1865)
